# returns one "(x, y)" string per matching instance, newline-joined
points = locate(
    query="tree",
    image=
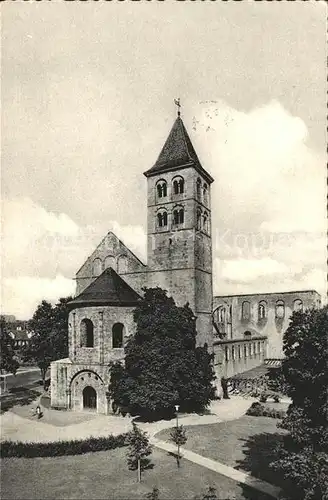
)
(8, 362)
(139, 450)
(303, 459)
(163, 366)
(178, 436)
(49, 340)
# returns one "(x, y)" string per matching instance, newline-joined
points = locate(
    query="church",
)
(179, 259)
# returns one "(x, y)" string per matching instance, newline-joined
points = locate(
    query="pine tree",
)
(139, 450)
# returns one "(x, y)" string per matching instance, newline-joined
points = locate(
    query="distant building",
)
(249, 328)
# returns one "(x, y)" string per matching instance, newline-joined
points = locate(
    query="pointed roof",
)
(108, 289)
(178, 152)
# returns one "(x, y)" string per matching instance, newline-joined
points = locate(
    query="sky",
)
(88, 93)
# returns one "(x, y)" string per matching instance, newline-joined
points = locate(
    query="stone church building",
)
(179, 259)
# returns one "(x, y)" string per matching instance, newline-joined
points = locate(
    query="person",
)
(38, 411)
(224, 385)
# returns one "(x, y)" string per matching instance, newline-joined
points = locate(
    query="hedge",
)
(60, 448)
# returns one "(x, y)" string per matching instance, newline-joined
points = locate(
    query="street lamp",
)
(177, 411)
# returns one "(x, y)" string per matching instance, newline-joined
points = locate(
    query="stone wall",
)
(271, 325)
(103, 319)
(237, 356)
(111, 252)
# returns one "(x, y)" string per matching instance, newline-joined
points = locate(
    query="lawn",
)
(104, 475)
(246, 443)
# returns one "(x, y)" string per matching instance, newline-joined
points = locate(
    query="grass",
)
(104, 475)
(246, 443)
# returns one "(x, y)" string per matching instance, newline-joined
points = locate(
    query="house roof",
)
(108, 289)
(178, 152)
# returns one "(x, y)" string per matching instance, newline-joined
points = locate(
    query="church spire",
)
(178, 151)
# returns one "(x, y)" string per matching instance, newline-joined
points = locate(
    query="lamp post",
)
(177, 412)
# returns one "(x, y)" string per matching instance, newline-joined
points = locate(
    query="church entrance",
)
(89, 398)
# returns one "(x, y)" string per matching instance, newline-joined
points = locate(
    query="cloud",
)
(22, 294)
(268, 209)
(266, 176)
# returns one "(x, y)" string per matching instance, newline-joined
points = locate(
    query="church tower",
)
(179, 228)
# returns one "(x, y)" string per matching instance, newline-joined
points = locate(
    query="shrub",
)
(60, 448)
(259, 410)
(263, 397)
(255, 410)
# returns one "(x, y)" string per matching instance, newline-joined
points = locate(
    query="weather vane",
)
(177, 103)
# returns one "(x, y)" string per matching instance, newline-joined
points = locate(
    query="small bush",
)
(60, 448)
(255, 410)
(263, 397)
(259, 410)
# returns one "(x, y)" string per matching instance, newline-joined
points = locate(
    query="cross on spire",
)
(178, 105)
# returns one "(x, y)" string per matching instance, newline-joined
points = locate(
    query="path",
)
(236, 475)
(17, 428)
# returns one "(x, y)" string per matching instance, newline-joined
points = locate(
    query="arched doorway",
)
(89, 398)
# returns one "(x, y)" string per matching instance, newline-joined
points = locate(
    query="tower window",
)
(162, 219)
(205, 193)
(178, 185)
(178, 216)
(117, 335)
(280, 309)
(199, 188)
(86, 333)
(161, 188)
(205, 222)
(199, 219)
(262, 310)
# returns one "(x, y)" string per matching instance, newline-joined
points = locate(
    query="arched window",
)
(205, 194)
(280, 309)
(221, 314)
(199, 188)
(199, 219)
(122, 264)
(117, 335)
(247, 334)
(178, 185)
(205, 222)
(86, 333)
(178, 216)
(246, 310)
(161, 188)
(97, 267)
(110, 262)
(162, 218)
(298, 305)
(262, 310)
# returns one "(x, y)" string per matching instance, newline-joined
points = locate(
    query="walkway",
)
(18, 428)
(15, 427)
(236, 475)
